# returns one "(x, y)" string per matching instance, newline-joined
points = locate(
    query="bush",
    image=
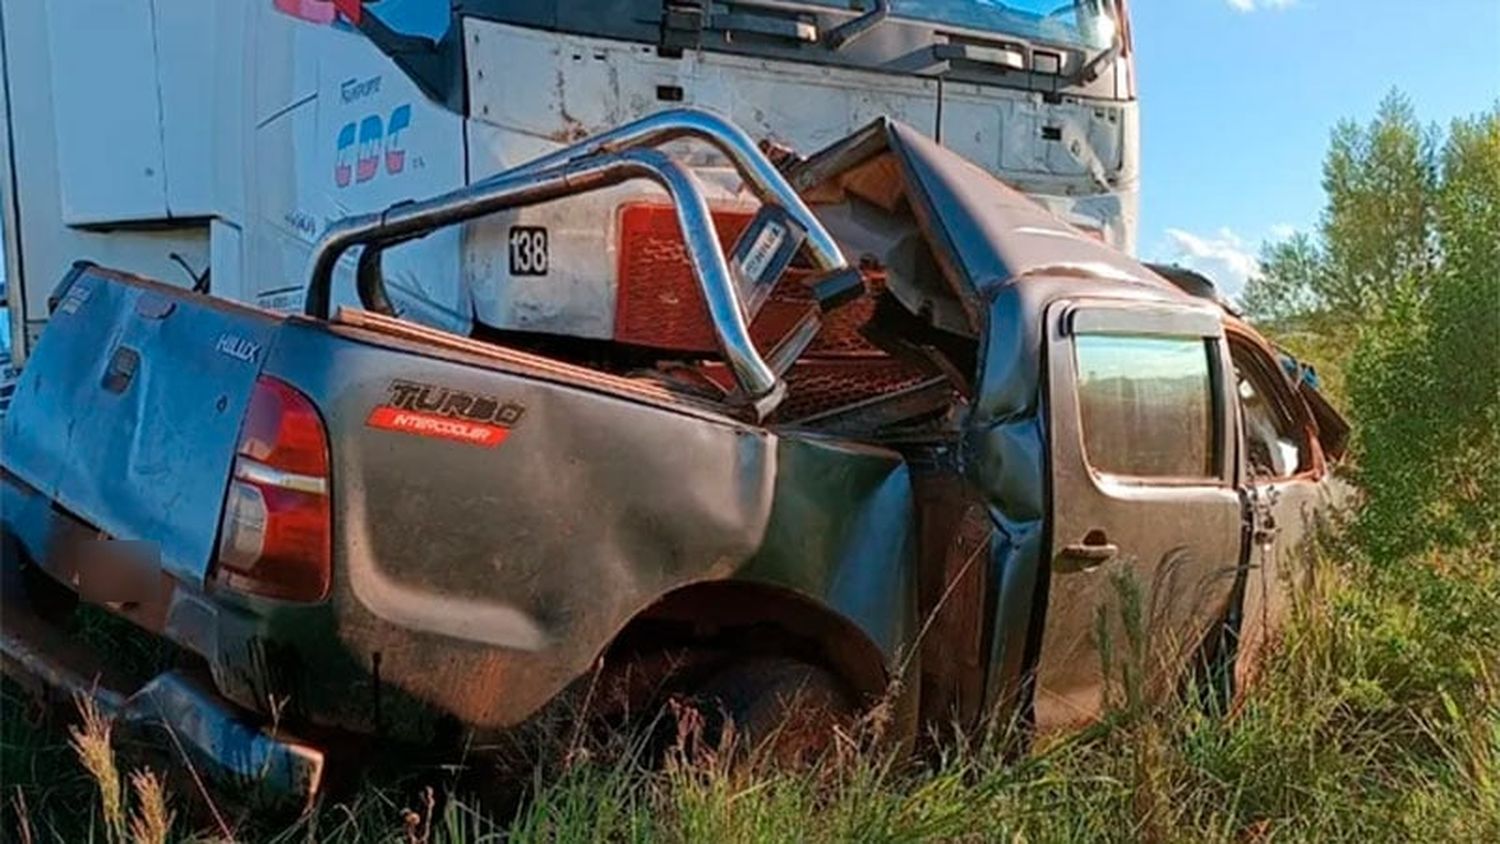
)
(1424, 382)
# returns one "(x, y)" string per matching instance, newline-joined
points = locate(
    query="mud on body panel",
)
(486, 576)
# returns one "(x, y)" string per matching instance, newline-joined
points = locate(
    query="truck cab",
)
(237, 132)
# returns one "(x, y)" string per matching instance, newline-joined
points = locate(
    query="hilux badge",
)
(238, 347)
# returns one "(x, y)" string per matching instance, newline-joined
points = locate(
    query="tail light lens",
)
(276, 537)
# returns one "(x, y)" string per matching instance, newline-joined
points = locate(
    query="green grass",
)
(1377, 720)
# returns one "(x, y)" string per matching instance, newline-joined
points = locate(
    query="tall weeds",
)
(150, 821)
(1376, 719)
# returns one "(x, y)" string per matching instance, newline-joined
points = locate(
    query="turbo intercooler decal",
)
(431, 411)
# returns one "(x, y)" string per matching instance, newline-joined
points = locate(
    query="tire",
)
(47, 598)
(781, 709)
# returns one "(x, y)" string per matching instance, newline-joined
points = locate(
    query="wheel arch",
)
(736, 617)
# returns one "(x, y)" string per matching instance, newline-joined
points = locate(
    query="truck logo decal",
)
(370, 135)
(361, 145)
(343, 168)
(395, 155)
(431, 411)
(355, 89)
(238, 347)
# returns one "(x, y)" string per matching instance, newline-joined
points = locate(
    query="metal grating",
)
(816, 386)
(658, 304)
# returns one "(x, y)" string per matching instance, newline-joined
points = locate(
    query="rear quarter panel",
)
(480, 580)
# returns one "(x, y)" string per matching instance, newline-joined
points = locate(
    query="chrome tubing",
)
(530, 186)
(764, 180)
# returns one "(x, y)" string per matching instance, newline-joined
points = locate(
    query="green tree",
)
(1464, 313)
(1377, 232)
(1288, 281)
(1424, 382)
(1404, 273)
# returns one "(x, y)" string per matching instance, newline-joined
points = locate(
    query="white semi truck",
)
(211, 143)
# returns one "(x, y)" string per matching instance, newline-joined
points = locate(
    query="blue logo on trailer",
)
(370, 135)
(395, 154)
(361, 146)
(343, 168)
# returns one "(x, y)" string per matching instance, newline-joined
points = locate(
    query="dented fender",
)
(478, 580)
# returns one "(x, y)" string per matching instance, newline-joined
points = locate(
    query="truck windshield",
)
(414, 17)
(1083, 23)
(1080, 23)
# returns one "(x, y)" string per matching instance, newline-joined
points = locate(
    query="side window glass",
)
(1146, 404)
(1273, 444)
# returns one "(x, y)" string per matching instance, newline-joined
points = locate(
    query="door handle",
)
(1084, 556)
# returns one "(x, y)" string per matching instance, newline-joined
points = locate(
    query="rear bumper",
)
(221, 741)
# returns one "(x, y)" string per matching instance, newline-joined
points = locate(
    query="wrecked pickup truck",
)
(908, 426)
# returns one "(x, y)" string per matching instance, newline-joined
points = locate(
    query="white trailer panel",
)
(106, 108)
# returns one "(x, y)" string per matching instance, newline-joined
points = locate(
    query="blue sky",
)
(1238, 97)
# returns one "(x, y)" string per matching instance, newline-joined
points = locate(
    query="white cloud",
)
(1281, 231)
(1223, 257)
(1253, 5)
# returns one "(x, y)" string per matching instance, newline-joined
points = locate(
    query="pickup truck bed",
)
(472, 579)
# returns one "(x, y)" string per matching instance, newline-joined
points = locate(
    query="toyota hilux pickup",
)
(899, 424)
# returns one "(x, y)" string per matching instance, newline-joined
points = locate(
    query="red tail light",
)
(276, 536)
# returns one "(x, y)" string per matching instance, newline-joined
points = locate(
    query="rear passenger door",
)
(1285, 479)
(1146, 522)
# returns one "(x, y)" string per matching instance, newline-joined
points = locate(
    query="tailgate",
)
(128, 412)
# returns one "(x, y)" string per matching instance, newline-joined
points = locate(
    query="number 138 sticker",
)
(528, 250)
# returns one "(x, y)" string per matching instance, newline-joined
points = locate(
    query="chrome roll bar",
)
(604, 160)
(757, 171)
(757, 382)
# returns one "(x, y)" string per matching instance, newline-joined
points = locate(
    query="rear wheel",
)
(46, 597)
(781, 709)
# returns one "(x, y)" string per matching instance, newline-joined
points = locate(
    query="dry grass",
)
(91, 741)
(147, 819)
(151, 821)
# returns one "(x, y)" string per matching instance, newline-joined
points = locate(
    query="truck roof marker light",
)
(275, 537)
